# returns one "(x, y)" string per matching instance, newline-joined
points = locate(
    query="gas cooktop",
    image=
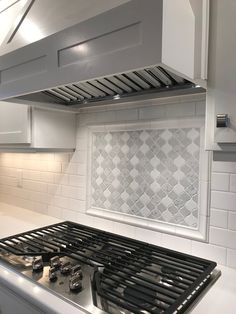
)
(106, 273)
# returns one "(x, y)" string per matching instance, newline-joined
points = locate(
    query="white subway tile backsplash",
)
(223, 237)
(59, 201)
(182, 110)
(222, 166)
(209, 251)
(232, 221)
(55, 211)
(77, 205)
(233, 182)
(69, 215)
(35, 186)
(201, 108)
(148, 236)
(72, 192)
(219, 218)
(218, 236)
(55, 184)
(76, 180)
(223, 200)
(61, 178)
(54, 189)
(150, 113)
(220, 181)
(231, 258)
(126, 115)
(176, 243)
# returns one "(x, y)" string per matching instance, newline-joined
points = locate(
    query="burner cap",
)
(138, 294)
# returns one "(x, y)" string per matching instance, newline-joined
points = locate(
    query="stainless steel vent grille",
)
(154, 79)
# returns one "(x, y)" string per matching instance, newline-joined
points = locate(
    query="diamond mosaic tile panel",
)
(147, 173)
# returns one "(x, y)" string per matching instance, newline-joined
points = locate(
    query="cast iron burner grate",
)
(131, 275)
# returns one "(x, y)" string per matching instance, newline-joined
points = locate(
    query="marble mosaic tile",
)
(149, 173)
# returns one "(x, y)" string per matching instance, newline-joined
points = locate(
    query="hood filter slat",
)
(137, 82)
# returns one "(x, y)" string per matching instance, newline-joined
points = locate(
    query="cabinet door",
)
(221, 95)
(10, 303)
(15, 125)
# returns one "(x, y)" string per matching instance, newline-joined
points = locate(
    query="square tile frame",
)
(201, 233)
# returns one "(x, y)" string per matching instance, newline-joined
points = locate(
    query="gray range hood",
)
(145, 82)
(122, 52)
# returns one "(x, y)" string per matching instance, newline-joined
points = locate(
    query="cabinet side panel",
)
(53, 129)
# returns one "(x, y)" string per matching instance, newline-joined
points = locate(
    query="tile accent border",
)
(201, 231)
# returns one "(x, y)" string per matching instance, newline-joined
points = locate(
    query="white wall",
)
(55, 183)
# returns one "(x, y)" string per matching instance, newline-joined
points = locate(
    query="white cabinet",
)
(185, 38)
(221, 95)
(10, 304)
(23, 126)
(15, 123)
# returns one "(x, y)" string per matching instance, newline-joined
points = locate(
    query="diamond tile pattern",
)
(148, 173)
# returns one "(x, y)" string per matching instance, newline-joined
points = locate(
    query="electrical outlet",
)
(19, 178)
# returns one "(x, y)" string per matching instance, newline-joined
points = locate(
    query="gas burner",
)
(100, 270)
(140, 297)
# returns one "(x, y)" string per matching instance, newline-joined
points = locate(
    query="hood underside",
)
(134, 83)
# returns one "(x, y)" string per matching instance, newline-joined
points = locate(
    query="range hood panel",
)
(122, 39)
(118, 51)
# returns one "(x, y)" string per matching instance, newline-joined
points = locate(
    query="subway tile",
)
(46, 156)
(180, 110)
(60, 201)
(200, 108)
(233, 182)
(76, 180)
(148, 236)
(69, 215)
(220, 181)
(81, 144)
(31, 175)
(60, 178)
(11, 181)
(35, 186)
(231, 258)
(82, 169)
(123, 229)
(55, 211)
(223, 237)
(223, 200)
(224, 166)
(73, 192)
(154, 112)
(126, 115)
(8, 172)
(54, 189)
(69, 168)
(232, 221)
(39, 197)
(209, 251)
(176, 243)
(219, 218)
(62, 157)
(47, 177)
(77, 205)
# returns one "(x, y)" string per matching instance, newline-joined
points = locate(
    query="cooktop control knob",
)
(37, 264)
(53, 274)
(65, 268)
(55, 262)
(76, 270)
(75, 283)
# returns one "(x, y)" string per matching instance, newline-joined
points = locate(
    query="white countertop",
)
(221, 298)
